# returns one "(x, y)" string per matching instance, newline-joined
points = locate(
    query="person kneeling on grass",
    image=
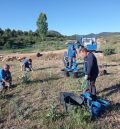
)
(5, 78)
(26, 65)
(91, 70)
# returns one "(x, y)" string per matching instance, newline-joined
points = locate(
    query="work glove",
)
(86, 77)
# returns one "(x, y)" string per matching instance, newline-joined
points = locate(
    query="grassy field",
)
(38, 47)
(33, 102)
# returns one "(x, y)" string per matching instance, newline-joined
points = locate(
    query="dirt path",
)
(33, 54)
(48, 52)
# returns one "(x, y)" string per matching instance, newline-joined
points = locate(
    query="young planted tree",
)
(42, 26)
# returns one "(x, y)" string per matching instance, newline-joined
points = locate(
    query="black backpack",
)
(70, 100)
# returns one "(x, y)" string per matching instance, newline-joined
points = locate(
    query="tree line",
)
(10, 38)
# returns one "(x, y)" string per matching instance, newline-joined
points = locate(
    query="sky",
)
(65, 16)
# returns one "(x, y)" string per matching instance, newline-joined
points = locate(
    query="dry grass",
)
(26, 105)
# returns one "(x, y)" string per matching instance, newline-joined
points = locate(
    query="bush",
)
(25, 79)
(52, 114)
(108, 51)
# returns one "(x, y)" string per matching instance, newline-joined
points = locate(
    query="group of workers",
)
(90, 69)
(5, 74)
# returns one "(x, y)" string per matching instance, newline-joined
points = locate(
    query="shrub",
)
(52, 114)
(25, 79)
(108, 51)
(79, 117)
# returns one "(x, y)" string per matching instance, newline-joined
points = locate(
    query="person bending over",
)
(26, 65)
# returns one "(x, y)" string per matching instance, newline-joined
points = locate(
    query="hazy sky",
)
(66, 16)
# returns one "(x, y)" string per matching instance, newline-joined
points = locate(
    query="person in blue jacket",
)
(90, 69)
(26, 65)
(5, 77)
(72, 53)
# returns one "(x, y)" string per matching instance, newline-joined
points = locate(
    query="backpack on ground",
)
(70, 100)
(95, 106)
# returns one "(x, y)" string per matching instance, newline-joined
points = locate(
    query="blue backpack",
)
(96, 107)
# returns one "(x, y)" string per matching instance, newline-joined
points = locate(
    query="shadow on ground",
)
(111, 90)
(105, 74)
(112, 108)
(45, 68)
(14, 85)
(108, 92)
(65, 73)
(45, 80)
(110, 65)
(9, 96)
(115, 107)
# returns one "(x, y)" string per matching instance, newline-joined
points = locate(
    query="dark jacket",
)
(91, 66)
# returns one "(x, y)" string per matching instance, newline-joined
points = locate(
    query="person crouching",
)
(5, 78)
(26, 65)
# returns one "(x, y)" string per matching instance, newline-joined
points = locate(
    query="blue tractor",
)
(89, 43)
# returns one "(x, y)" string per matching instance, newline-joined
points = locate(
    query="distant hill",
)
(105, 34)
(52, 33)
(102, 34)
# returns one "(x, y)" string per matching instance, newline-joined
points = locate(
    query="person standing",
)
(90, 69)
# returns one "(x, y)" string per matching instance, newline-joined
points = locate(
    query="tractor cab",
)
(89, 43)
